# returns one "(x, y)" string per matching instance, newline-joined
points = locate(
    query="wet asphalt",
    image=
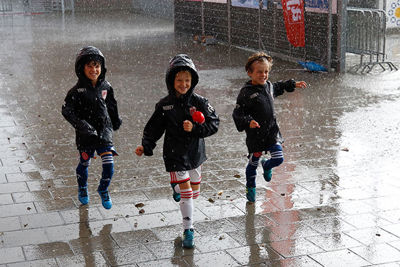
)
(333, 202)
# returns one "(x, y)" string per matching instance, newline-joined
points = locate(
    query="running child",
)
(92, 110)
(254, 113)
(186, 118)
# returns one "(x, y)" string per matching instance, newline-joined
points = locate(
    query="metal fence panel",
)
(47, 5)
(366, 36)
(5, 5)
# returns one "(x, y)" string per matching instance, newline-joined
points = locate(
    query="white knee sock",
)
(186, 206)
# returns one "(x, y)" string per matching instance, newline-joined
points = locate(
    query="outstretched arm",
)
(288, 86)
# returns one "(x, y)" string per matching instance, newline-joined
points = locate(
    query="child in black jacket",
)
(254, 113)
(92, 110)
(186, 118)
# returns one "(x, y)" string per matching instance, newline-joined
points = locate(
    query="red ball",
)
(197, 116)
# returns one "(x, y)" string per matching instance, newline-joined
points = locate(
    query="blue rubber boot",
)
(251, 194)
(105, 199)
(175, 195)
(188, 238)
(267, 172)
(83, 195)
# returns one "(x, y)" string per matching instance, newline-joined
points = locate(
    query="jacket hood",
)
(85, 55)
(179, 63)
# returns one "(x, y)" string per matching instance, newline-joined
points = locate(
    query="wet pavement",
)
(334, 201)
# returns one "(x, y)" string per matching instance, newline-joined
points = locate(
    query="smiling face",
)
(92, 71)
(182, 82)
(258, 72)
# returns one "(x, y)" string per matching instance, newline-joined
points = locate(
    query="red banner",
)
(293, 13)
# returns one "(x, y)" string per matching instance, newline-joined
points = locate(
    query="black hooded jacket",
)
(256, 102)
(92, 111)
(182, 150)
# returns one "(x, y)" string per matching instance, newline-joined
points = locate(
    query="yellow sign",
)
(394, 13)
(397, 13)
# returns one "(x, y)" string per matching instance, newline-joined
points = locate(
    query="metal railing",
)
(366, 36)
(48, 5)
(5, 5)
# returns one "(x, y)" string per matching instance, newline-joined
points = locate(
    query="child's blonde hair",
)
(259, 57)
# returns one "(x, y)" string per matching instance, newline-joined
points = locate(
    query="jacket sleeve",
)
(69, 113)
(153, 131)
(112, 109)
(280, 87)
(240, 116)
(211, 123)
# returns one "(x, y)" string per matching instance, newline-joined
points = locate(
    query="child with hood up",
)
(92, 110)
(186, 118)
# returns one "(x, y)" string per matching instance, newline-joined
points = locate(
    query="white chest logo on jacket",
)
(104, 94)
(169, 107)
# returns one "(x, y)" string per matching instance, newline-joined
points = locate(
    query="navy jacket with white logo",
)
(256, 102)
(182, 150)
(92, 111)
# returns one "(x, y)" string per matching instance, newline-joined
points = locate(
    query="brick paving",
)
(334, 201)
